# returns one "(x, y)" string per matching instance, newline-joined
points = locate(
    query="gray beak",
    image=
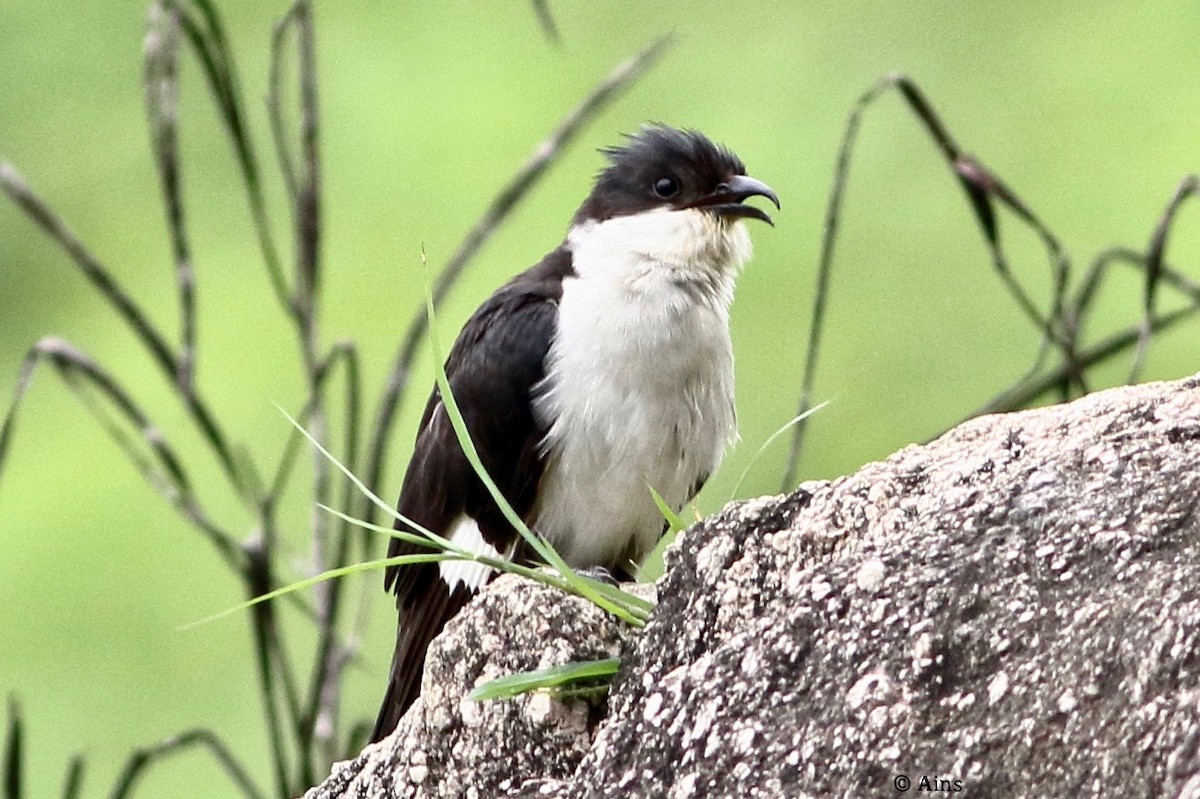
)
(727, 199)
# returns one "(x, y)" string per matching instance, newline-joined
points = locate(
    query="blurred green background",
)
(1087, 110)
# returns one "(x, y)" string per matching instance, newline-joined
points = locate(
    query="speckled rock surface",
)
(1012, 610)
(449, 746)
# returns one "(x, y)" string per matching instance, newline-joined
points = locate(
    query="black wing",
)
(493, 368)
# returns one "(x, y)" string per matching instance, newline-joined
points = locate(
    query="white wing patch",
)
(469, 573)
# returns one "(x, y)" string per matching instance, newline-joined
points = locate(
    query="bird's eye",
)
(666, 187)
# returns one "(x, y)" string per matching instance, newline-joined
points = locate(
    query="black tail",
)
(421, 619)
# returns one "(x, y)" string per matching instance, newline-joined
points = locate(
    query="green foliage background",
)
(1088, 110)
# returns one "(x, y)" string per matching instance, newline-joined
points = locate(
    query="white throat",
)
(681, 247)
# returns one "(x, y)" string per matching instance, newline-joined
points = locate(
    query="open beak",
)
(727, 200)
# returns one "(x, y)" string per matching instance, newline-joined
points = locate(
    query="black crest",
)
(656, 167)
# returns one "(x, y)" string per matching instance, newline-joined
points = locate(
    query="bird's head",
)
(672, 195)
(664, 169)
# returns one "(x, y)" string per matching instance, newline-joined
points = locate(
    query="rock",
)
(449, 746)
(1013, 609)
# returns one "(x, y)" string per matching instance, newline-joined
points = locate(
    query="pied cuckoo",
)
(603, 370)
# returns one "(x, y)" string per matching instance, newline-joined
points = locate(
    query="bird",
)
(603, 370)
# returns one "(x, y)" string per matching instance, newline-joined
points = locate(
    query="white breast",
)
(639, 386)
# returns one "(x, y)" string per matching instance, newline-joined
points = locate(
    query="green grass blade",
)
(332, 574)
(420, 539)
(621, 607)
(674, 522)
(537, 575)
(361, 486)
(555, 677)
(771, 440)
(633, 601)
(632, 609)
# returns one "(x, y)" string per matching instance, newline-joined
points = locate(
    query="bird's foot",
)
(600, 574)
